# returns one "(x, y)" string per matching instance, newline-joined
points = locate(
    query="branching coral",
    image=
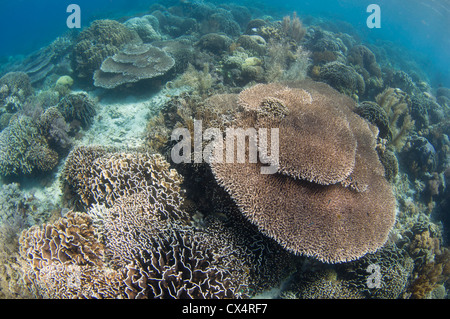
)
(352, 220)
(132, 64)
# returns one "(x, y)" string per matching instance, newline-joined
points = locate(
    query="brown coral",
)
(309, 210)
(65, 260)
(362, 57)
(166, 259)
(395, 103)
(103, 38)
(98, 175)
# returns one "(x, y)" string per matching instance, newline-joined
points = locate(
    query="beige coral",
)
(65, 260)
(98, 175)
(330, 202)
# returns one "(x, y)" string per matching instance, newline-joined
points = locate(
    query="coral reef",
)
(140, 244)
(43, 63)
(15, 88)
(135, 62)
(432, 264)
(214, 42)
(240, 69)
(350, 192)
(103, 38)
(362, 57)
(361, 177)
(65, 260)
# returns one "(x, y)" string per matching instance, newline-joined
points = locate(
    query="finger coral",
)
(332, 203)
(132, 64)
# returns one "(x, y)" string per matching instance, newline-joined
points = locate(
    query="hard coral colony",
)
(361, 179)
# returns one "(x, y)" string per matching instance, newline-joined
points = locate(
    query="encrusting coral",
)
(133, 63)
(332, 203)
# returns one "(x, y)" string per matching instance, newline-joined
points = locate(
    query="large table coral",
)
(331, 202)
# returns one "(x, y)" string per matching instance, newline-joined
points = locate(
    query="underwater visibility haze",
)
(214, 150)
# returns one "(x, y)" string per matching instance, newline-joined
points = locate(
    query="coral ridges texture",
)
(135, 240)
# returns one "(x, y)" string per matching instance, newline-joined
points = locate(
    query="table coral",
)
(353, 210)
(132, 64)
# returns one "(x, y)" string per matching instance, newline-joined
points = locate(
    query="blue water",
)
(420, 26)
